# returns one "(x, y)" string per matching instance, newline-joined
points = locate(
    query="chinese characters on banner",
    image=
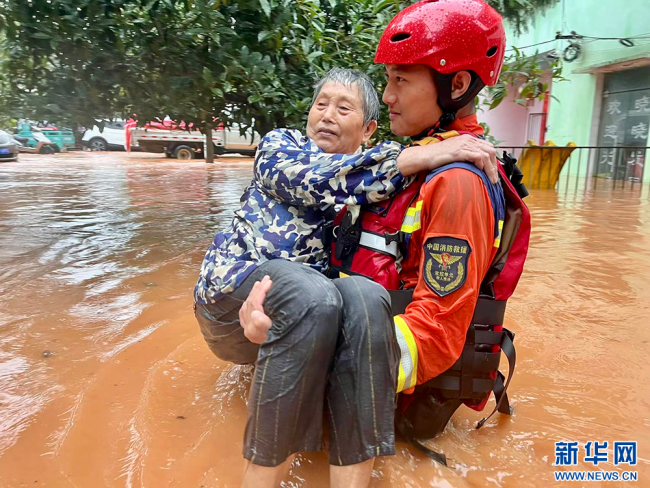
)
(625, 122)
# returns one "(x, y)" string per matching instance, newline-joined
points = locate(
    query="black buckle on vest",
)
(349, 235)
(396, 237)
(514, 174)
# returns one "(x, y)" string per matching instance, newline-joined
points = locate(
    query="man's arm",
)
(475, 150)
(291, 173)
(457, 212)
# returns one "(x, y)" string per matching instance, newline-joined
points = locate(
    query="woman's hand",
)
(466, 148)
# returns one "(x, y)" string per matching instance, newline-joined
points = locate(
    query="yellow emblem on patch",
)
(445, 264)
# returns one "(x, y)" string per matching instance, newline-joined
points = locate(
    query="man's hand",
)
(477, 151)
(252, 318)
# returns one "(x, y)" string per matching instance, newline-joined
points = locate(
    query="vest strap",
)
(454, 383)
(430, 453)
(379, 243)
(488, 337)
(489, 312)
(500, 388)
(476, 362)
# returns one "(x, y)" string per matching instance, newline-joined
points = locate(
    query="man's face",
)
(412, 98)
(335, 120)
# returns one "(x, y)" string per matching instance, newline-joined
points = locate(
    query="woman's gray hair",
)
(348, 77)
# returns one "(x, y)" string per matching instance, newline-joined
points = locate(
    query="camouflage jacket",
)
(289, 202)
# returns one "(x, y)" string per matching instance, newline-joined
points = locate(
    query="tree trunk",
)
(209, 145)
(266, 126)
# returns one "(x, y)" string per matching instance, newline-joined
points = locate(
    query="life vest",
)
(373, 245)
(369, 241)
(475, 374)
(372, 240)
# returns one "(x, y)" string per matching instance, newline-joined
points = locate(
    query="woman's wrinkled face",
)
(335, 119)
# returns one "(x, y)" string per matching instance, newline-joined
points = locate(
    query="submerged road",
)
(105, 379)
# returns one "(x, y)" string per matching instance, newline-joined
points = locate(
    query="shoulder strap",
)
(495, 191)
(500, 388)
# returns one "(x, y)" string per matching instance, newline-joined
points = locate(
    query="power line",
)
(576, 36)
(638, 36)
(532, 45)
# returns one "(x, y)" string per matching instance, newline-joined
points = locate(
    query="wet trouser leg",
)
(313, 334)
(361, 389)
(285, 408)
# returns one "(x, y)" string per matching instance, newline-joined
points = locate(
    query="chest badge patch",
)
(445, 264)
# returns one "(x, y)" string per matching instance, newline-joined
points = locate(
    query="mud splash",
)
(105, 380)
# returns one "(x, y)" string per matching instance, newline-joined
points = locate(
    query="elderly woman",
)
(325, 348)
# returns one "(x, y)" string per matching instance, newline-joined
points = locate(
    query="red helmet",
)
(449, 36)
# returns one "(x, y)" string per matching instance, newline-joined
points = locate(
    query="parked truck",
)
(183, 142)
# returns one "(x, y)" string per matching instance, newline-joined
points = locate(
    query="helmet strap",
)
(447, 119)
(428, 132)
(436, 128)
(449, 105)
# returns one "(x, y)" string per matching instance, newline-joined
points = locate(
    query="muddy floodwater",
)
(105, 379)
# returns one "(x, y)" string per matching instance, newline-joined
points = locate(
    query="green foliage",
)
(519, 13)
(251, 62)
(488, 136)
(5, 92)
(528, 76)
(63, 59)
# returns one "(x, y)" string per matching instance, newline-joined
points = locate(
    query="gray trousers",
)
(331, 347)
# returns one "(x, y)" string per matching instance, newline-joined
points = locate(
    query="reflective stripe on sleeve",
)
(497, 241)
(412, 219)
(408, 363)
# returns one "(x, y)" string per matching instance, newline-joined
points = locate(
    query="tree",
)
(64, 60)
(5, 92)
(250, 62)
(231, 62)
(520, 13)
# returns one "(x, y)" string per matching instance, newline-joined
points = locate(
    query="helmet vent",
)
(492, 51)
(402, 36)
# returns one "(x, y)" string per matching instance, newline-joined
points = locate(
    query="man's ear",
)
(460, 84)
(369, 130)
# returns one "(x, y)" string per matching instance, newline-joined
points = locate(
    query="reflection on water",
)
(105, 380)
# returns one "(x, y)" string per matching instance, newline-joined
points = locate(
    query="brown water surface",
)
(105, 379)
